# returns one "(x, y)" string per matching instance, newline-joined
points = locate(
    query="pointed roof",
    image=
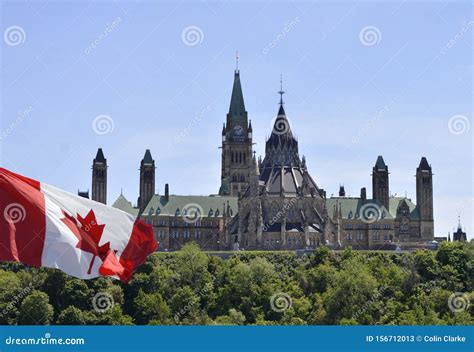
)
(281, 111)
(424, 164)
(380, 163)
(281, 132)
(99, 158)
(147, 159)
(237, 106)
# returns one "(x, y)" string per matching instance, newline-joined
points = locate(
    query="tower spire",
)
(281, 92)
(237, 61)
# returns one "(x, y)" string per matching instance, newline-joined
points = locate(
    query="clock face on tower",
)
(238, 130)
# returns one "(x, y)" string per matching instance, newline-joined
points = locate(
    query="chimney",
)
(167, 192)
(342, 191)
(363, 193)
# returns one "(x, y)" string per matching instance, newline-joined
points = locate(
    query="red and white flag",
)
(43, 226)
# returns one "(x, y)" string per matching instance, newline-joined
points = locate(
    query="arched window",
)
(273, 211)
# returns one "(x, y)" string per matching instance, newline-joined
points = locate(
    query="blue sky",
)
(362, 79)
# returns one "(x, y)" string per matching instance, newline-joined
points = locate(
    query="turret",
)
(380, 185)
(99, 177)
(424, 198)
(147, 180)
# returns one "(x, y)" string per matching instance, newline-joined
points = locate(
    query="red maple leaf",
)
(89, 233)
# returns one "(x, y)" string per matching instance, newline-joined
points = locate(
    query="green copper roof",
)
(352, 206)
(237, 106)
(100, 156)
(147, 159)
(123, 204)
(380, 163)
(207, 203)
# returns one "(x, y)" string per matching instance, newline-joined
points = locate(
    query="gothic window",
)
(360, 236)
(232, 157)
(272, 214)
(291, 214)
(349, 237)
(245, 159)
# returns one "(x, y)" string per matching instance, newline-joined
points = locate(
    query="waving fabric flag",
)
(43, 226)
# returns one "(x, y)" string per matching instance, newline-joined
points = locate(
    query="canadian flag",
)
(41, 225)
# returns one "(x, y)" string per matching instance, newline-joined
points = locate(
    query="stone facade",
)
(236, 144)
(274, 203)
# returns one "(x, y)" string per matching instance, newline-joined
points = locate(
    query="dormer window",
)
(210, 212)
(177, 212)
(158, 211)
(151, 211)
(350, 215)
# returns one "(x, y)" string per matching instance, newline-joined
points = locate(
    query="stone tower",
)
(424, 198)
(99, 178)
(236, 144)
(147, 180)
(380, 188)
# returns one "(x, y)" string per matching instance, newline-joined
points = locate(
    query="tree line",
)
(191, 287)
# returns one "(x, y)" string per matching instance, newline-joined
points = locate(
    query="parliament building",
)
(273, 203)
